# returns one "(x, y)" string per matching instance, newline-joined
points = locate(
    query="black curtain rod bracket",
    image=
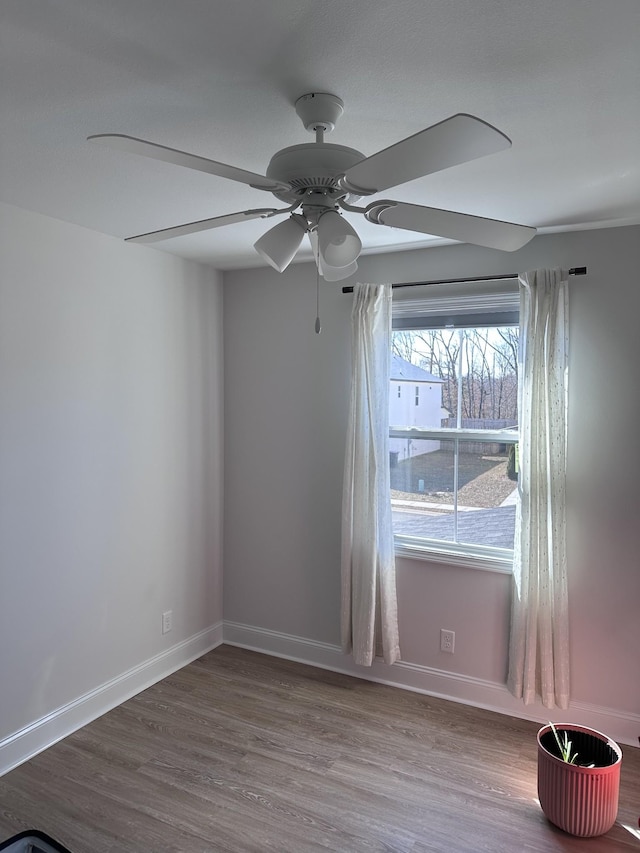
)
(505, 276)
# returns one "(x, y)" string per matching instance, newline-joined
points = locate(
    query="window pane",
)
(470, 373)
(425, 500)
(455, 491)
(422, 488)
(486, 495)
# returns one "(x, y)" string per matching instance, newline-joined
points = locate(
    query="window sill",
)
(489, 562)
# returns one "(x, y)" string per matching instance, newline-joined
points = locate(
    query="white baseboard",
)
(42, 733)
(622, 726)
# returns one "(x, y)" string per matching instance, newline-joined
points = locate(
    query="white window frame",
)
(497, 305)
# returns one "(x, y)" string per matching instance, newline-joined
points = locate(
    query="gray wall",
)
(285, 421)
(110, 464)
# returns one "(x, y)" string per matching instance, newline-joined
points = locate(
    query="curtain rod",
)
(572, 271)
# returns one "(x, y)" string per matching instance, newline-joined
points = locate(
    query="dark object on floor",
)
(32, 841)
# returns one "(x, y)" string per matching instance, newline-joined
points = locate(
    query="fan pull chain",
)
(318, 326)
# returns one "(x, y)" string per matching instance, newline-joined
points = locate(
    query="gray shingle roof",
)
(402, 370)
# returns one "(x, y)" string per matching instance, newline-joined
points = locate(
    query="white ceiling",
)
(219, 78)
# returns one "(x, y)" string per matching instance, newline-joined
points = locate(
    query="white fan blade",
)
(478, 230)
(203, 225)
(455, 140)
(190, 161)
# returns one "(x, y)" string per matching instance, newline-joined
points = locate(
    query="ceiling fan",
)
(317, 180)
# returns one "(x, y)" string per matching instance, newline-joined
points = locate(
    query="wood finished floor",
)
(243, 752)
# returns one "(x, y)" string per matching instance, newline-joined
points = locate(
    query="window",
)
(399, 391)
(417, 395)
(454, 478)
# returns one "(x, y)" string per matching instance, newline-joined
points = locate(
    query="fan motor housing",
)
(311, 166)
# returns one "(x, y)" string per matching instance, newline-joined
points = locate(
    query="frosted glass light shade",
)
(339, 244)
(337, 273)
(279, 245)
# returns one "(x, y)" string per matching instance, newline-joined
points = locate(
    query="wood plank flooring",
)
(243, 752)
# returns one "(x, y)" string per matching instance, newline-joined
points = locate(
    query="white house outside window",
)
(453, 454)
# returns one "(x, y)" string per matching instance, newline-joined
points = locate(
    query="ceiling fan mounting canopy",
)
(319, 111)
(322, 178)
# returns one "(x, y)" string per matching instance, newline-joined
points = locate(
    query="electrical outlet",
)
(167, 621)
(447, 640)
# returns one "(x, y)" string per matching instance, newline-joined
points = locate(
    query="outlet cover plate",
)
(447, 640)
(167, 621)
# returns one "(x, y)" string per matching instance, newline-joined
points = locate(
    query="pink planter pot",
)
(580, 800)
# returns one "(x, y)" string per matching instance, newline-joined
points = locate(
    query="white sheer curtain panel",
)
(369, 616)
(539, 643)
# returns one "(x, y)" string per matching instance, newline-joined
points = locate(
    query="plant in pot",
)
(578, 778)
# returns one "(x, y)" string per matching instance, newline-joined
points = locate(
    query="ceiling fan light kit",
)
(339, 244)
(336, 273)
(279, 245)
(328, 272)
(320, 179)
